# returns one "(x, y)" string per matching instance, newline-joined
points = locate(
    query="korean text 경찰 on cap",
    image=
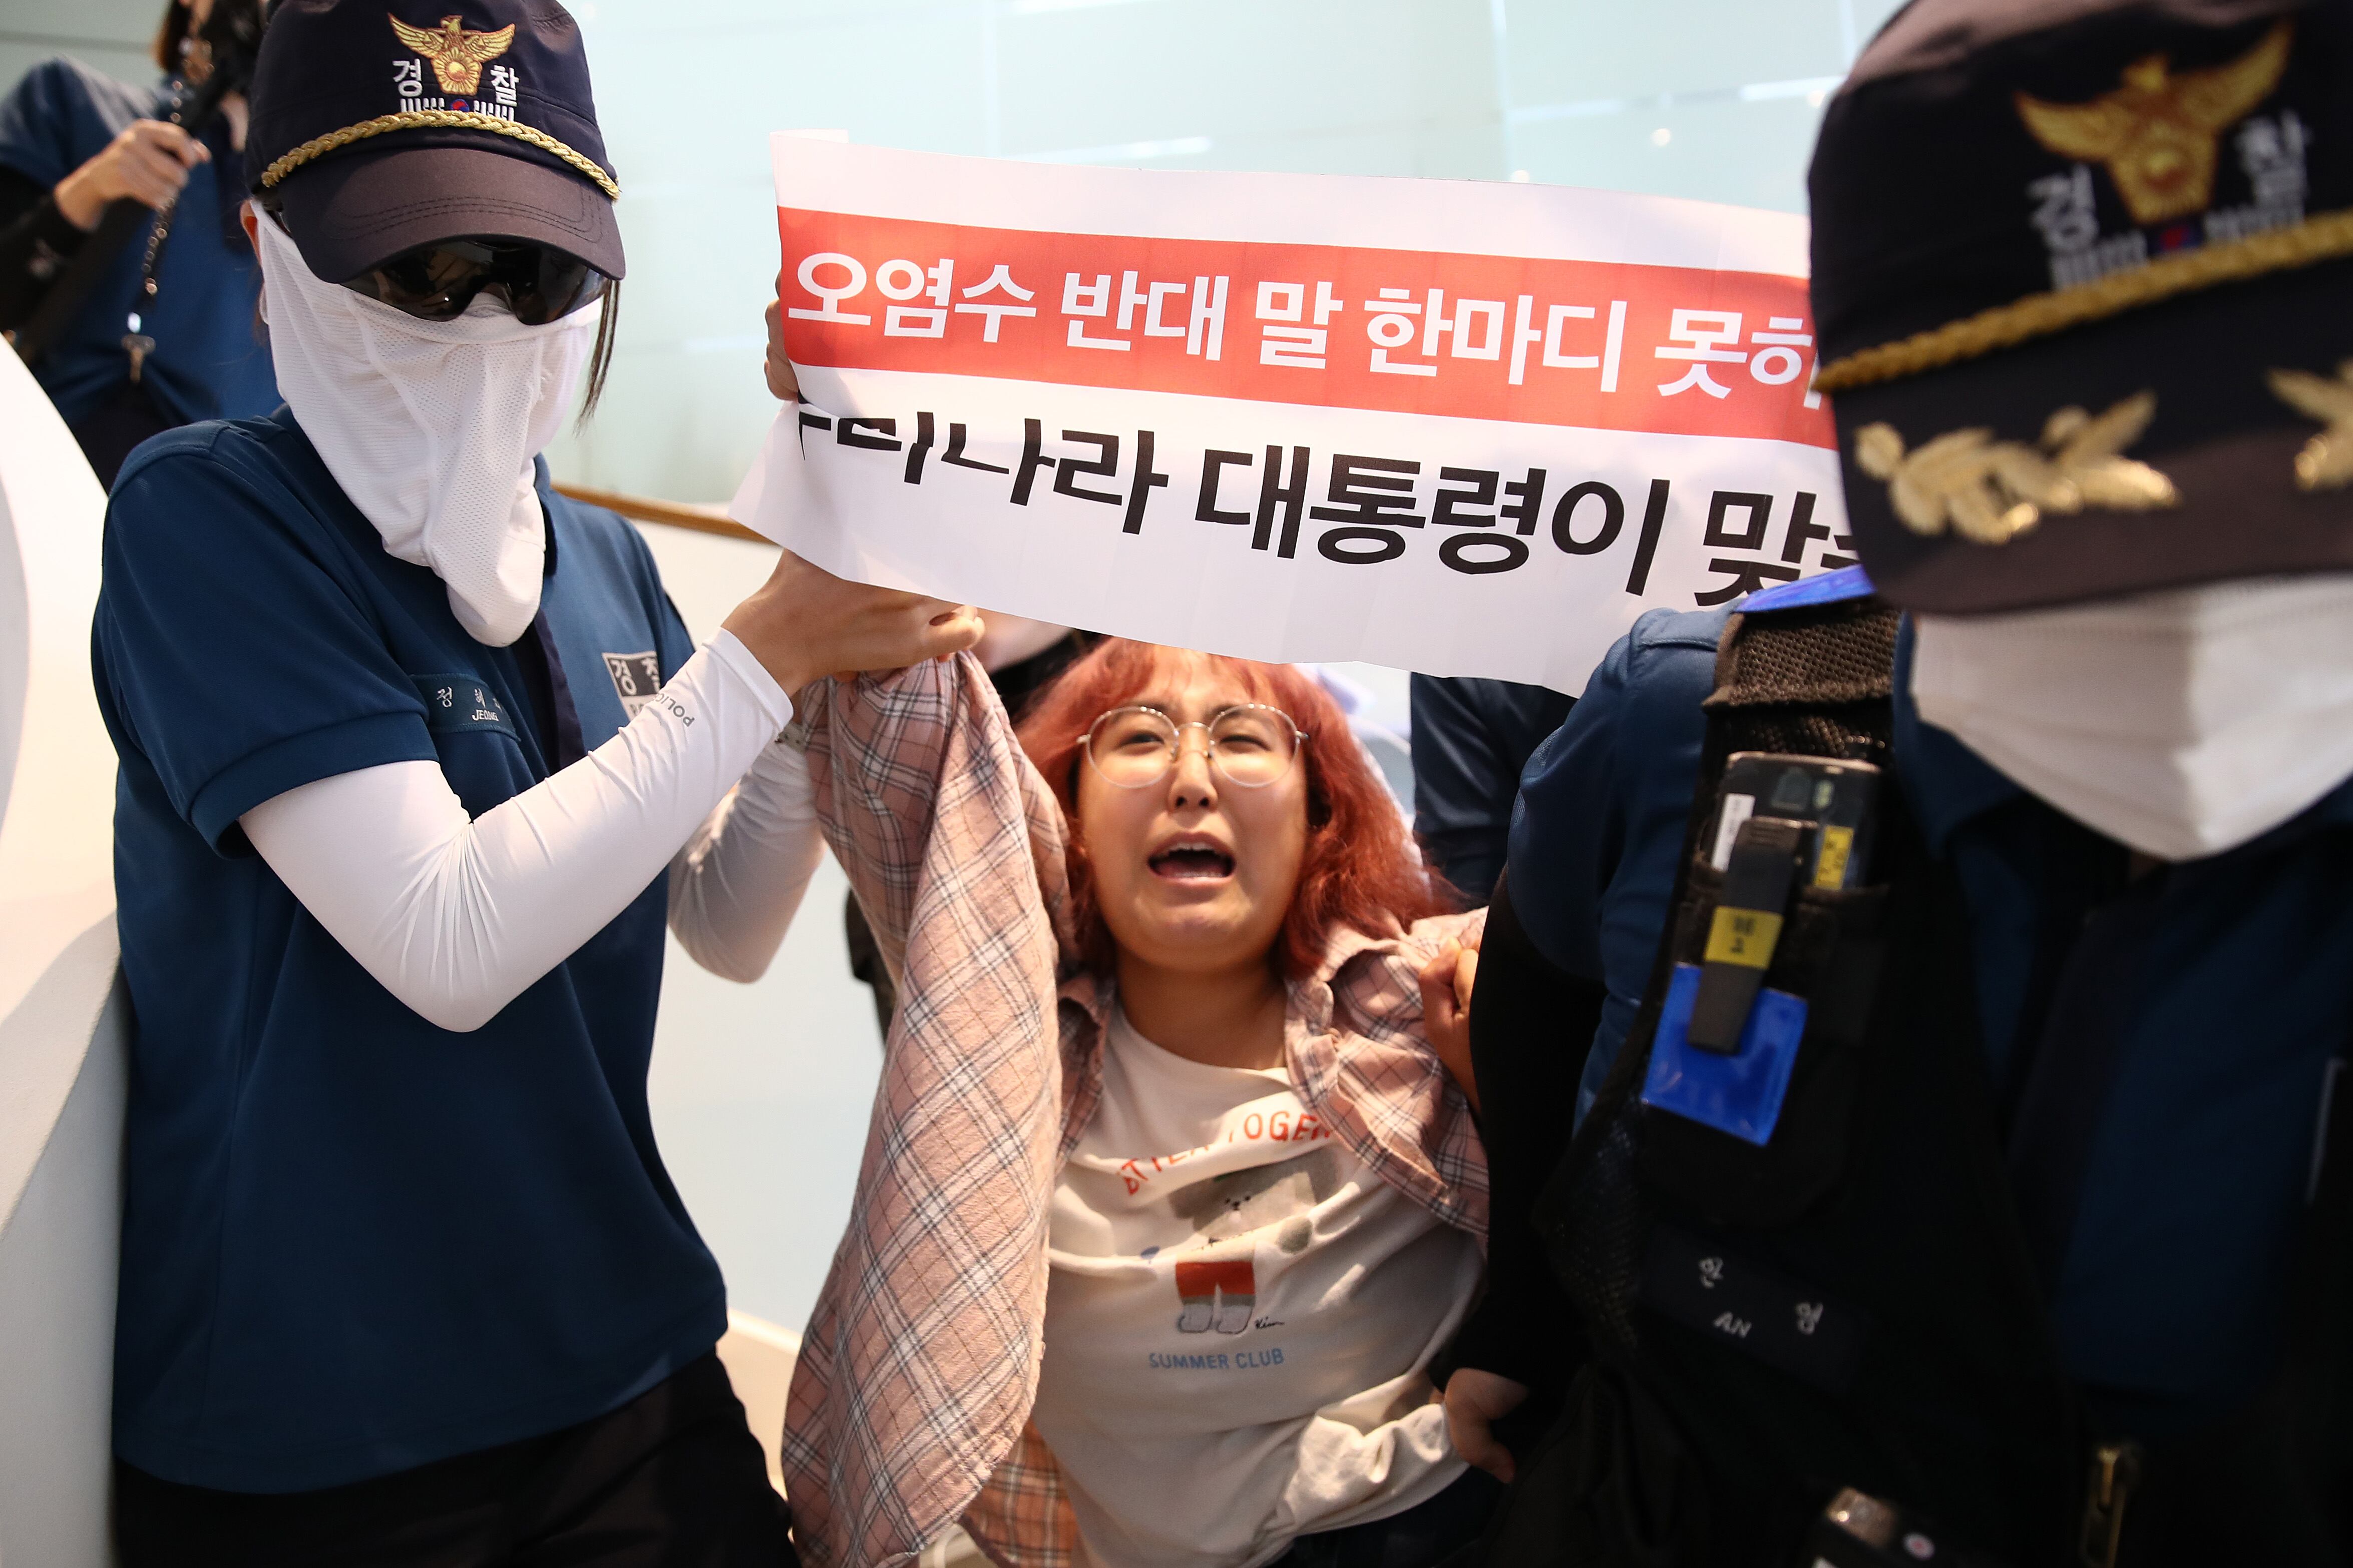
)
(2082, 273)
(379, 125)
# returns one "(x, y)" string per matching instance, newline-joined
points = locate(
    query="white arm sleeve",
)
(455, 917)
(735, 887)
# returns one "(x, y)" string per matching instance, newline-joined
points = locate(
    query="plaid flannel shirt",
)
(910, 1405)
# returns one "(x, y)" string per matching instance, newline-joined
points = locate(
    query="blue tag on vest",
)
(1740, 1093)
(1827, 588)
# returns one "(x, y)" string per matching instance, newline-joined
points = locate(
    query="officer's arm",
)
(35, 241)
(1532, 1020)
(457, 916)
(42, 224)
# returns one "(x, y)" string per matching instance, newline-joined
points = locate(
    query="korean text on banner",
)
(1462, 428)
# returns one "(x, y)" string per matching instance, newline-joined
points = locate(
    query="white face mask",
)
(2182, 724)
(430, 426)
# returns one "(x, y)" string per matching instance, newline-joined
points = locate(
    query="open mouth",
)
(1192, 860)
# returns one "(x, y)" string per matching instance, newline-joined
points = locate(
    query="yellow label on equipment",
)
(1745, 937)
(1829, 865)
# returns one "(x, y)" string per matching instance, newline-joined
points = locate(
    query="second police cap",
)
(383, 124)
(2082, 272)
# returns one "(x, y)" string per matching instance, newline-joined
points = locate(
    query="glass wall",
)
(1711, 99)
(111, 35)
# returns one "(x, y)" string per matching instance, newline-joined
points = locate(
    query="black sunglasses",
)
(435, 282)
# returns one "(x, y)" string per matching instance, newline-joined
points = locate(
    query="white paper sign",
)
(1460, 428)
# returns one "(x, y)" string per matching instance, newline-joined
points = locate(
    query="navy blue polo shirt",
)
(353, 1242)
(2218, 1012)
(1471, 738)
(209, 362)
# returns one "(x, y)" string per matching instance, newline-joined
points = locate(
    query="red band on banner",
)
(1670, 349)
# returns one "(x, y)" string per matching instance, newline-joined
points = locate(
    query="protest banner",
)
(1462, 427)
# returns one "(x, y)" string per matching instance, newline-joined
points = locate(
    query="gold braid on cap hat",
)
(2315, 239)
(431, 118)
(2155, 133)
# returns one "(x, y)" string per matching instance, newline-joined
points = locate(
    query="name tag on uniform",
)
(461, 702)
(1776, 1320)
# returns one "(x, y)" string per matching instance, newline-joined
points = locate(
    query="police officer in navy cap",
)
(417, 763)
(1957, 951)
(135, 320)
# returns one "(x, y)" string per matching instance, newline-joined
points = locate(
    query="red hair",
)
(1359, 870)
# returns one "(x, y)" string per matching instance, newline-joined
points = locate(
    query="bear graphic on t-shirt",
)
(1230, 1216)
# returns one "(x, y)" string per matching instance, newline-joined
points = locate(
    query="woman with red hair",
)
(1173, 1191)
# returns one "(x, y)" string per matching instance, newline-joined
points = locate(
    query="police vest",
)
(1844, 1319)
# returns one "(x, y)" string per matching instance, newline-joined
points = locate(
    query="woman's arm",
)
(457, 916)
(888, 755)
(891, 756)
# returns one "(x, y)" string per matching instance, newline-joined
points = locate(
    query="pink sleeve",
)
(878, 748)
(920, 1364)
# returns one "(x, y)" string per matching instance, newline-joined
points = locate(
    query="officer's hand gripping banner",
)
(1462, 428)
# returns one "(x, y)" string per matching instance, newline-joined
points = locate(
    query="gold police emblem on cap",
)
(2155, 132)
(2326, 461)
(1991, 491)
(458, 56)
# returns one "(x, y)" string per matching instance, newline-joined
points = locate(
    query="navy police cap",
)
(2082, 272)
(382, 124)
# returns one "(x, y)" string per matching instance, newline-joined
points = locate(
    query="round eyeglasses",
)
(1250, 744)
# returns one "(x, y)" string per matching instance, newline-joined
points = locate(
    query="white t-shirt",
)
(1239, 1315)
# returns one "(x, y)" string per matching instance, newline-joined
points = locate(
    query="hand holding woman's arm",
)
(804, 623)
(736, 886)
(1446, 983)
(1475, 1401)
(457, 916)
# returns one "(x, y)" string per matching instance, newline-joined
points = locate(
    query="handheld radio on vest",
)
(1726, 1045)
(1777, 819)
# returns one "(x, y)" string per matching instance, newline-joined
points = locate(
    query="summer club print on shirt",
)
(1235, 1299)
(1235, 1213)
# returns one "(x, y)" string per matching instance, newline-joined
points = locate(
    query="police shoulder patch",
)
(1827, 588)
